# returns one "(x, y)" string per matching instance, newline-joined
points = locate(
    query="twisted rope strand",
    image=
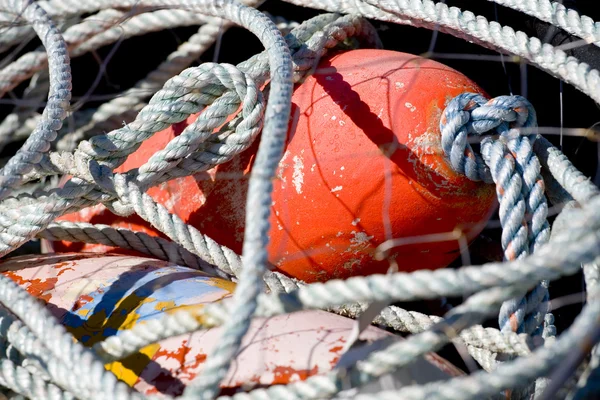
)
(557, 14)
(476, 29)
(71, 370)
(510, 374)
(110, 114)
(515, 169)
(126, 239)
(11, 175)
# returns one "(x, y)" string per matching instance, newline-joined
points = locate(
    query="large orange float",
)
(363, 164)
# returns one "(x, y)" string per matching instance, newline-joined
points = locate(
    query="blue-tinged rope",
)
(508, 160)
(512, 158)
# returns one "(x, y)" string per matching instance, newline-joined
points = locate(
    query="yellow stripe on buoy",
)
(129, 369)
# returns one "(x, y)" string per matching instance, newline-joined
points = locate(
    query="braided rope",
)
(111, 114)
(124, 238)
(35, 93)
(58, 99)
(558, 15)
(513, 166)
(509, 161)
(477, 29)
(28, 64)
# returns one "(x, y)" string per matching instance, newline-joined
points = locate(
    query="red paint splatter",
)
(514, 324)
(283, 375)
(186, 370)
(174, 383)
(81, 301)
(336, 349)
(60, 265)
(178, 354)
(35, 287)
(189, 371)
(62, 271)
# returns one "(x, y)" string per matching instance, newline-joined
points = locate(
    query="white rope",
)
(65, 369)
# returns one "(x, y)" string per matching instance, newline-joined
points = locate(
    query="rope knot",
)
(507, 159)
(471, 114)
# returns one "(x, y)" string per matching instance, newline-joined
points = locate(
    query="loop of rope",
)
(58, 99)
(509, 162)
(110, 115)
(246, 93)
(46, 363)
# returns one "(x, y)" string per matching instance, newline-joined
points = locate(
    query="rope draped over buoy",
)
(507, 126)
(40, 360)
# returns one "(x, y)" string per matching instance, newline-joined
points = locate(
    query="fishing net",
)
(49, 135)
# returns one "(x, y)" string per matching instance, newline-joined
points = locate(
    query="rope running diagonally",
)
(69, 370)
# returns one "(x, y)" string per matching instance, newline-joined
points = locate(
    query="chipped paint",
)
(284, 375)
(103, 296)
(360, 239)
(410, 106)
(298, 175)
(336, 189)
(39, 288)
(351, 264)
(328, 145)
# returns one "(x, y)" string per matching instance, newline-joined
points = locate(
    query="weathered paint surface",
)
(96, 297)
(278, 350)
(363, 116)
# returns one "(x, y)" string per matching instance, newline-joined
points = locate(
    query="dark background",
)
(137, 56)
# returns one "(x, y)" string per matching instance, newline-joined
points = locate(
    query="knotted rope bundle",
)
(511, 164)
(40, 360)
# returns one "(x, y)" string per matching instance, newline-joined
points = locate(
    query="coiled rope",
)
(40, 360)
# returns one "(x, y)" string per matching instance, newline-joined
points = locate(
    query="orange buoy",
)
(363, 164)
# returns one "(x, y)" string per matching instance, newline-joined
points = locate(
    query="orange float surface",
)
(363, 164)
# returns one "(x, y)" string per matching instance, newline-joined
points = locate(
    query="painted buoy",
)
(363, 164)
(99, 296)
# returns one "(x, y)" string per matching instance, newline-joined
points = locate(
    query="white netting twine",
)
(40, 360)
